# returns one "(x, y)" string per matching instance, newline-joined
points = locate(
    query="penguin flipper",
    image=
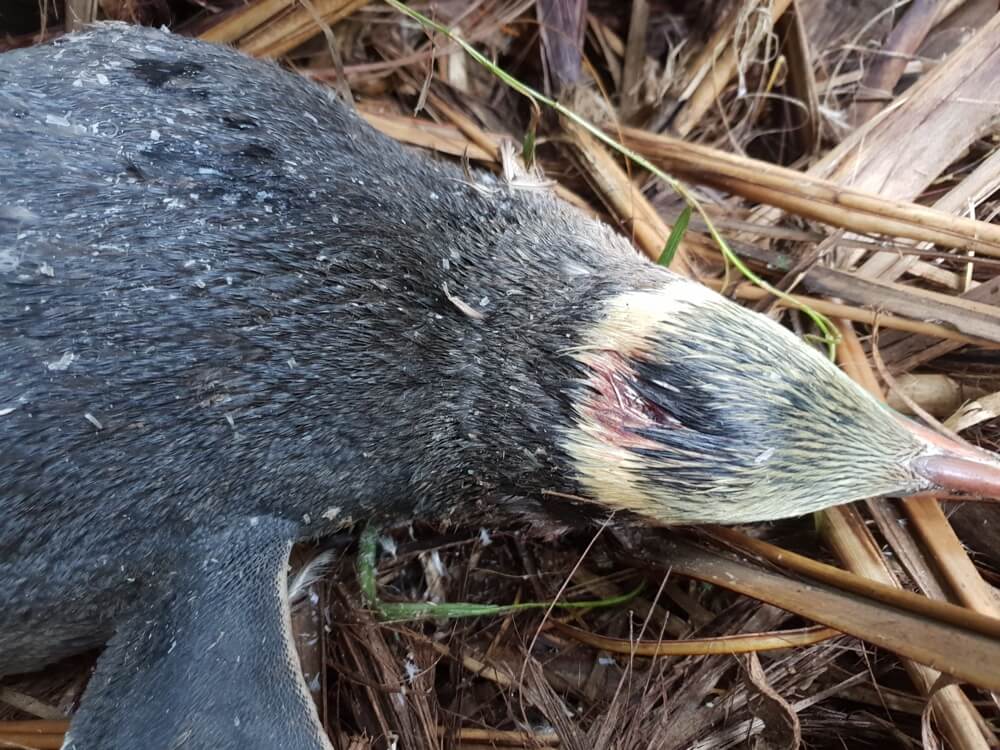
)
(210, 665)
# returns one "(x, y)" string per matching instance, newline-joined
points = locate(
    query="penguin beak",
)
(954, 465)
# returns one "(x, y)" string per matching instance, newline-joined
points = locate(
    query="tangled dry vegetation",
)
(848, 150)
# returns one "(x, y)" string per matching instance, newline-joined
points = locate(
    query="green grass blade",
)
(395, 612)
(674, 240)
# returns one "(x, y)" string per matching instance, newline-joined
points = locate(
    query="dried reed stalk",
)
(430, 135)
(710, 72)
(748, 292)
(271, 28)
(288, 31)
(79, 13)
(937, 118)
(241, 22)
(812, 197)
(960, 721)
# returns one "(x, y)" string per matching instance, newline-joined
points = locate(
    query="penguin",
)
(233, 317)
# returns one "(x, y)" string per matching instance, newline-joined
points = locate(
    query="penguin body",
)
(232, 316)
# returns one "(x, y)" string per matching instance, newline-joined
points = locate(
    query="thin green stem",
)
(391, 611)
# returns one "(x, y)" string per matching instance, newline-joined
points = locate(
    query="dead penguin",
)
(232, 316)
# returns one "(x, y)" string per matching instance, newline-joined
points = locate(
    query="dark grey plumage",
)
(223, 297)
(202, 300)
(232, 315)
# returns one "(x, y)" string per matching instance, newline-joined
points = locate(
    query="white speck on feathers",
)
(764, 456)
(388, 545)
(62, 363)
(436, 564)
(411, 668)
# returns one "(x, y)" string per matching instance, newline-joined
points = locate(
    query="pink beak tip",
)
(958, 466)
(961, 474)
